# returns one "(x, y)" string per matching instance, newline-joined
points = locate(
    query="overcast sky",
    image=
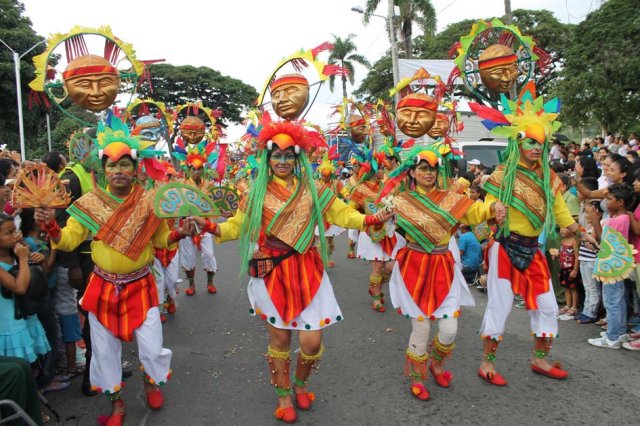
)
(245, 39)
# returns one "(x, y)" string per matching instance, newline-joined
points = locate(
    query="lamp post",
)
(392, 37)
(16, 63)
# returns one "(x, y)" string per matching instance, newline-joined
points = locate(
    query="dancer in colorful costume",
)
(289, 288)
(121, 296)
(377, 245)
(535, 204)
(327, 173)
(197, 159)
(427, 281)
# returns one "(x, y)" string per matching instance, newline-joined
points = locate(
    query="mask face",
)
(289, 100)
(95, 92)
(500, 78)
(439, 128)
(415, 122)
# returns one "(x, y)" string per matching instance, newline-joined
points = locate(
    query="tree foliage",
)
(378, 82)
(16, 31)
(175, 85)
(601, 78)
(344, 54)
(420, 12)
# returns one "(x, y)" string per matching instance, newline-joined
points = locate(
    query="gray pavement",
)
(220, 377)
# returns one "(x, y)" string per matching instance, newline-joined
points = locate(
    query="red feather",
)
(222, 162)
(408, 143)
(154, 169)
(390, 185)
(488, 113)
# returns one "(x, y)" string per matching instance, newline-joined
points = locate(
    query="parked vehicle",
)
(485, 150)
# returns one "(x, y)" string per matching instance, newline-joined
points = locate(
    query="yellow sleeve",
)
(561, 211)
(341, 214)
(230, 230)
(72, 235)
(478, 212)
(160, 237)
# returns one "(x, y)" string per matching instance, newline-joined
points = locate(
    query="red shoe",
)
(155, 399)
(116, 419)
(555, 373)
(163, 318)
(287, 414)
(493, 378)
(443, 379)
(331, 264)
(212, 289)
(419, 391)
(171, 309)
(304, 400)
(379, 308)
(351, 255)
(190, 291)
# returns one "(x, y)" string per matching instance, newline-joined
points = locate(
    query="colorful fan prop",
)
(80, 147)
(181, 200)
(225, 199)
(39, 186)
(615, 260)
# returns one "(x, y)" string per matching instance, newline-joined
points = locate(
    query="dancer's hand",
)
(499, 212)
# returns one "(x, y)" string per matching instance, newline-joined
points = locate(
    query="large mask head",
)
(92, 82)
(148, 128)
(498, 67)
(358, 128)
(192, 129)
(440, 127)
(289, 95)
(416, 114)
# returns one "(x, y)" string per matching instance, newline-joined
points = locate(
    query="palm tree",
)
(344, 54)
(419, 11)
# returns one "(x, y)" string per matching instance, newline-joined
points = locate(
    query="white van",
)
(485, 150)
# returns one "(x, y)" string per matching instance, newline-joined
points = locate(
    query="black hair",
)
(53, 160)
(28, 221)
(632, 153)
(589, 167)
(590, 183)
(624, 192)
(566, 180)
(6, 165)
(625, 167)
(557, 166)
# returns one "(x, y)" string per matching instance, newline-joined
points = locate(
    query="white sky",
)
(245, 39)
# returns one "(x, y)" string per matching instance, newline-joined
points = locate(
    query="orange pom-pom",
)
(279, 413)
(311, 396)
(416, 390)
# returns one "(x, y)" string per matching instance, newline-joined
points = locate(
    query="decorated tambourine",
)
(494, 59)
(39, 186)
(226, 200)
(88, 66)
(287, 89)
(616, 260)
(181, 200)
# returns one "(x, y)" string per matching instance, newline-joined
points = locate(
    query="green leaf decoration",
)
(181, 200)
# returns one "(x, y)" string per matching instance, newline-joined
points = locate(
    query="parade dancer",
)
(194, 158)
(121, 296)
(379, 246)
(535, 205)
(289, 288)
(328, 178)
(427, 282)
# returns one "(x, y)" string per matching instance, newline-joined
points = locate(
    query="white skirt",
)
(321, 312)
(459, 294)
(353, 235)
(369, 250)
(331, 231)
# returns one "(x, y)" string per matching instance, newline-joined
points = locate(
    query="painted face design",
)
(282, 162)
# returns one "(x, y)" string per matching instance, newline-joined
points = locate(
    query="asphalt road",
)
(220, 377)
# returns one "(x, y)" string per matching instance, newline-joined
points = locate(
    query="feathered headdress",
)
(328, 165)
(114, 141)
(285, 134)
(529, 117)
(428, 153)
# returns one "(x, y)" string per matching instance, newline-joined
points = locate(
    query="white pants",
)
(106, 362)
(544, 321)
(166, 278)
(188, 254)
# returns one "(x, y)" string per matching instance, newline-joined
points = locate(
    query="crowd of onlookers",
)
(601, 187)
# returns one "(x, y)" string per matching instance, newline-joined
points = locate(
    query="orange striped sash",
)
(427, 277)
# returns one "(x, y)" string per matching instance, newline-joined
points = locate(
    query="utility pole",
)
(394, 47)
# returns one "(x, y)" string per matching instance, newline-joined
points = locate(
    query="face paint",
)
(279, 157)
(530, 144)
(123, 166)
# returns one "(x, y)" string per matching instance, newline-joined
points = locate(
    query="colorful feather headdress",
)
(285, 134)
(428, 153)
(421, 79)
(528, 117)
(328, 165)
(114, 141)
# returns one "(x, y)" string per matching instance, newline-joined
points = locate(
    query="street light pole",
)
(16, 65)
(392, 38)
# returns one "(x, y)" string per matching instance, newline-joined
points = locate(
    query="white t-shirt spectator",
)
(555, 153)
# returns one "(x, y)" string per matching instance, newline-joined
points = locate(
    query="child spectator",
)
(475, 193)
(587, 258)
(470, 253)
(569, 266)
(619, 198)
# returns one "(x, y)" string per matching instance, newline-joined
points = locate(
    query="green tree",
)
(175, 85)
(344, 54)
(420, 12)
(378, 82)
(16, 31)
(601, 78)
